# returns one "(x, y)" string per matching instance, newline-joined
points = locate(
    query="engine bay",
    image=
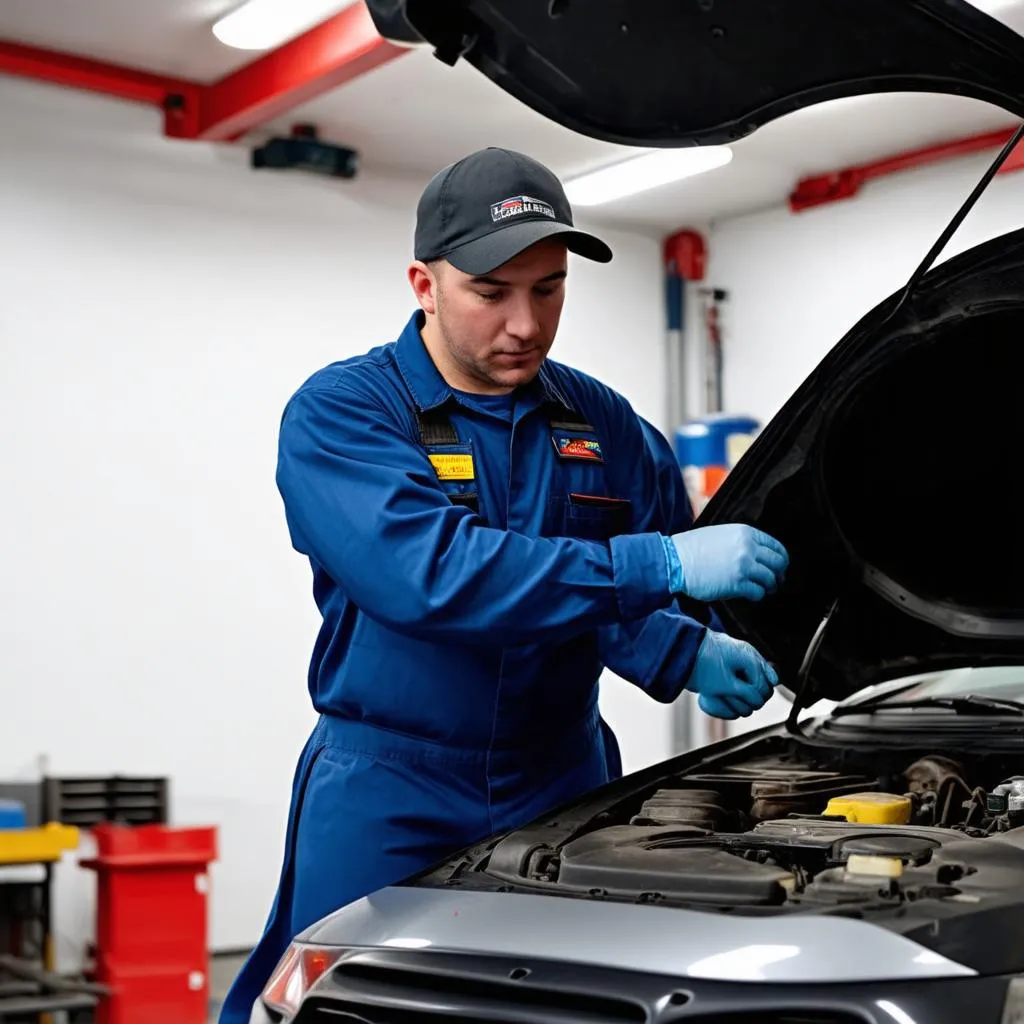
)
(933, 790)
(783, 827)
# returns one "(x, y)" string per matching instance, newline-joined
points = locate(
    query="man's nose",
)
(522, 321)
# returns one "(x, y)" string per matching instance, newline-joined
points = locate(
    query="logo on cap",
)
(520, 206)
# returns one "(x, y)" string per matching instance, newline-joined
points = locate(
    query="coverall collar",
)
(430, 390)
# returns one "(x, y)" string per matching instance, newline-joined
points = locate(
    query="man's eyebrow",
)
(494, 282)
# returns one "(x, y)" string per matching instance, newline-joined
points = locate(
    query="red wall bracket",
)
(332, 53)
(842, 184)
(685, 255)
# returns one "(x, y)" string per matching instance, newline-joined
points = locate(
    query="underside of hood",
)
(893, 478)
(677, 72)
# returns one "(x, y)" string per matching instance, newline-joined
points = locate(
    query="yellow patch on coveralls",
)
(453, 467)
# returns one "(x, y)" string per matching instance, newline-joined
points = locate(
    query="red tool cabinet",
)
(151, 922)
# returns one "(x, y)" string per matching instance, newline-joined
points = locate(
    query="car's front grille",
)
(780, 1017)
(356, 1013)
(344, 1012)
(377, 986)
(379, 994)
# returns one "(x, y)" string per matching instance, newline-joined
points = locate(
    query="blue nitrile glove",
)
(716, 563)
(733, 680)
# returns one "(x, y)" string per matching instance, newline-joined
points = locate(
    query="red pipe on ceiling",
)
(331, 54)
(843, 184)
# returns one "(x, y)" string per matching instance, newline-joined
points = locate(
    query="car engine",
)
(788, 831)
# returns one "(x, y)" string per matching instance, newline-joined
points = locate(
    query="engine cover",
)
(789, 863)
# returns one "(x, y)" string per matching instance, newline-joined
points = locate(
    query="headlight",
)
(299, 970)
(1013, 1008)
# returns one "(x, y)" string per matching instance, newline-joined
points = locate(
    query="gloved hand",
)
(727, 561)
(733, 680)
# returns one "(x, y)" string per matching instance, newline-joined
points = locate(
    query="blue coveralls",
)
(477, 561)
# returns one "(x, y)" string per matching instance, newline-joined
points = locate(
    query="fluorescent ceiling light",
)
(262, 24)
(640, 173)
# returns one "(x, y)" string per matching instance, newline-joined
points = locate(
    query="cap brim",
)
(485, 255)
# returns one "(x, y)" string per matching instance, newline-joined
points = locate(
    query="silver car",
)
(866, 865)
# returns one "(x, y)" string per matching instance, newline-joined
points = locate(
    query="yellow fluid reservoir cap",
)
(871, 808)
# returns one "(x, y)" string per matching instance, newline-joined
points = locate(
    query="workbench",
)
(30, 990)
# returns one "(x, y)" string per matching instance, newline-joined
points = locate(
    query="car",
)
(862, 865)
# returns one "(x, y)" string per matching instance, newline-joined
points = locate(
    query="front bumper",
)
(388, 986)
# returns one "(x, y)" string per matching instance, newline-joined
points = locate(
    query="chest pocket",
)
(583, 509)
(590, 517)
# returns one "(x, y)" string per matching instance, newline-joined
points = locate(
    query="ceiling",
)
(414, 115)
(166, 37)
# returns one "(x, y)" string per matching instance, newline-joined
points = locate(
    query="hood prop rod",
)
(792, 725)
(958, 219)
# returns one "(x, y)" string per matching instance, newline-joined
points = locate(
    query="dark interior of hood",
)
(922, 467)
(657, 72)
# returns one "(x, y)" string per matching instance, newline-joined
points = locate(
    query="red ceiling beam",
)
(843, 184)
(179, 99)
(331, 54)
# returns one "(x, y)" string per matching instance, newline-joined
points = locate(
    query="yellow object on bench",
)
(36, 845)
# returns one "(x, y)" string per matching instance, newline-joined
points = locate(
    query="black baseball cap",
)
(488, 207)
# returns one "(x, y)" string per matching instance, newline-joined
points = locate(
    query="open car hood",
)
(677, 72)
(891, 474)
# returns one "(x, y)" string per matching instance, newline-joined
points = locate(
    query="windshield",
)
(1005, 681)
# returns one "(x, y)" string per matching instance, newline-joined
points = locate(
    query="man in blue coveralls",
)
(488, 530)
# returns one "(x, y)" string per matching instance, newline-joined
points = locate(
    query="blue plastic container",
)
(12, 814)
(707, 449)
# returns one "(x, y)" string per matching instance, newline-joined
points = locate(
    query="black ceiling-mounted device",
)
(304, 151)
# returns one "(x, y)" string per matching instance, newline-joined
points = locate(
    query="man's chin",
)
(514, 378)
(514, 373)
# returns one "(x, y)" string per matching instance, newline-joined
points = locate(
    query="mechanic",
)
(487, 530)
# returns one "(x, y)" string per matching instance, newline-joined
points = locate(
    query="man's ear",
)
(424, 286)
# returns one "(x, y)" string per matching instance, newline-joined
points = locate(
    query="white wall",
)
(798, 282)
(159, 302)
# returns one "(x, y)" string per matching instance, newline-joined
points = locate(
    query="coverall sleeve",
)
(362, 499)
(657, 652)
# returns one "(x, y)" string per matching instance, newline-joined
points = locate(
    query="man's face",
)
(495, 331)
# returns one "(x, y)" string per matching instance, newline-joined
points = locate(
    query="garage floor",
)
(222, 973)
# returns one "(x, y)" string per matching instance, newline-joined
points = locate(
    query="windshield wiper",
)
(972, 704)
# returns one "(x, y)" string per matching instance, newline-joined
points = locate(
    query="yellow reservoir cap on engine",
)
(871, 808)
